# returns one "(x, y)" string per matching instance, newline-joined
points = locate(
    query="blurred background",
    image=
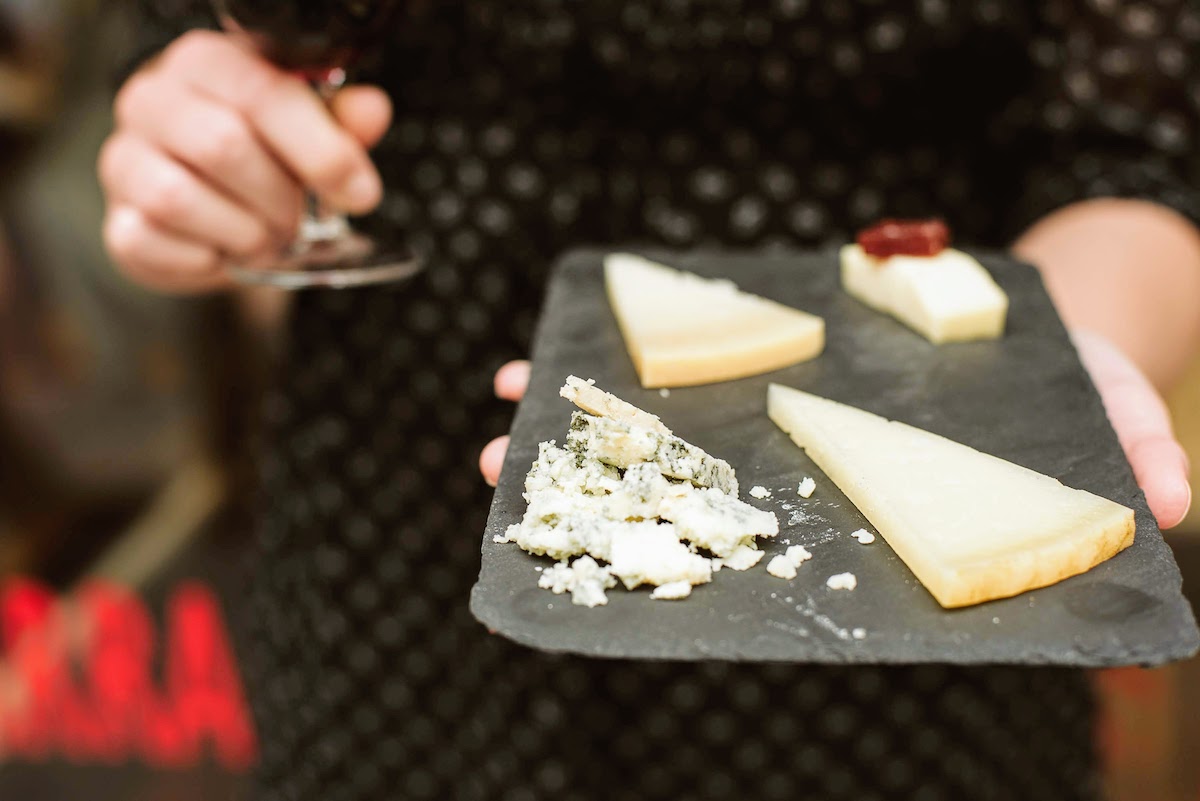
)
(123, 426)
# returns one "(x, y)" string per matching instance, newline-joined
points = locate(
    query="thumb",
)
(364, 111)
(1143, 425)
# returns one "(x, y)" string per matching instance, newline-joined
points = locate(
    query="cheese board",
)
(1023, 397)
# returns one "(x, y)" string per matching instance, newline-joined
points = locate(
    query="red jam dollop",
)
(904, 238)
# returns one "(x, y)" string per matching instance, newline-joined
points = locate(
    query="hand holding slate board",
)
(1024, 398)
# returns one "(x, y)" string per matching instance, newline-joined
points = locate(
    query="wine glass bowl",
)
(307, 36)
(317, 40)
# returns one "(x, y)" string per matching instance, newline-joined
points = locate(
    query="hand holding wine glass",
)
(213, 150)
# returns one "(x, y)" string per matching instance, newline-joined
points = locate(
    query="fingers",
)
(492, 459)
(510, 384)
(364, 111)
(1143, 425)
(214, 141)
(1161, 468)
(512, 380)
(285, 113)
(158, 259)
(135, 173)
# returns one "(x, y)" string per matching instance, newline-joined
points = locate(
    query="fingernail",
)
(363, 190)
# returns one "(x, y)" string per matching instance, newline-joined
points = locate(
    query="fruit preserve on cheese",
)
(904, 238)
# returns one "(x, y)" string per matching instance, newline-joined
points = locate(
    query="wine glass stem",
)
(321, 222)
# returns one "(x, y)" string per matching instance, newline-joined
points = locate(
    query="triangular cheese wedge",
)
(683, 330)
(971, 526)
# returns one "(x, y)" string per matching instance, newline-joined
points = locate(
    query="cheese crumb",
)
(858, 634)
(672, 591)
(781, 567)
(743, 558)
(797, 554)
(760, 492)
(586, 580)
(664, 393)
(841, 581)
(863, 536)
(807, 487)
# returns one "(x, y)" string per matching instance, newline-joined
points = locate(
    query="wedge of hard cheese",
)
(681, 329)
(972, 527)
(948, 297)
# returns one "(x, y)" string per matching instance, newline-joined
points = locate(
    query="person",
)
(1065, 131)
(223, 175)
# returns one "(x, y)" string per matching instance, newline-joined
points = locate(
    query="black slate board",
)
(1025, 398)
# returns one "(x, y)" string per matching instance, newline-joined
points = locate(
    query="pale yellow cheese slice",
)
(949, 297)
(681, 329)
(971, 526)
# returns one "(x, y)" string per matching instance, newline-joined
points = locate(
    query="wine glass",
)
(318, 39)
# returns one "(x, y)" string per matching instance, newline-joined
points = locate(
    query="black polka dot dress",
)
(527, 127)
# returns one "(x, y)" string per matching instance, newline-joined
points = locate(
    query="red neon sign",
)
(77, 679)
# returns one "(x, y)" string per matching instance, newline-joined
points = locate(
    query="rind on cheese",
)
(617, 443)
(589, 397)
(682, 330)
(949, 297)
(971, 526)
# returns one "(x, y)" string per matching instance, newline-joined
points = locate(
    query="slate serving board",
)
(1025, 398)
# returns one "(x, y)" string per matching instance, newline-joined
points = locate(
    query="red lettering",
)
(116, 710)
(117, 661)
(35, 649)
(202, 678)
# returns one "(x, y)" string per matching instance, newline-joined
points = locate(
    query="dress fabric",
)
(526, 128)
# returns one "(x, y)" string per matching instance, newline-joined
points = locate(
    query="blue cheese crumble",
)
(627, 492)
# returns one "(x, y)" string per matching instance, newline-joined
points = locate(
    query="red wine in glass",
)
(318, 39)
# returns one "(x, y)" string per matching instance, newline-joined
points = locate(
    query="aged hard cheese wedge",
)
(972, 527)
(683, 330)
(949, 297)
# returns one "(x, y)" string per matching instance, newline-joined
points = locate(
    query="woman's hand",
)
(1125, 277)
(1135, 409)
(212, 151)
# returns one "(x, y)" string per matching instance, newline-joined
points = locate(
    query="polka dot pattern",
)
(370, 678)
(524, 129)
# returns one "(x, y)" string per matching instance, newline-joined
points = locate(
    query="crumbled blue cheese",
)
(744, 557)
(651, 553)
(674, 591)
(568, 536)
(714, 521)
(863, 536)
(628, 492)
(781, 567)
(797, 554)
(841, 581)
(586, 580)
(565, 471)
(760, 492)
(616, 443)
(807, 487)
